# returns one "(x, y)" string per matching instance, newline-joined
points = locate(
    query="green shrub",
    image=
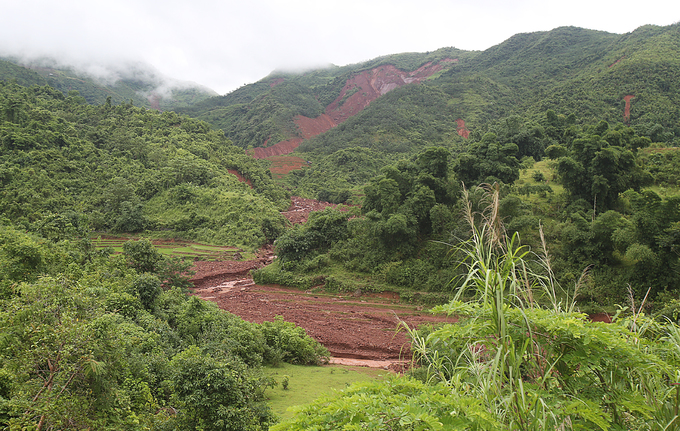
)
(334, 284)
(216, 395)
(275, 274)
(147, 287)
(291, 344)
(22, 257)
(413, 273)
(538, 176)
(123, 303)
(398, 404)
(142, 254)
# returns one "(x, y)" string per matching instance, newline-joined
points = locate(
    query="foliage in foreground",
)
(95, 341)
(519, 358)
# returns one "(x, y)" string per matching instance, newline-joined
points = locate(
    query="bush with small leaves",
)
(147, 287)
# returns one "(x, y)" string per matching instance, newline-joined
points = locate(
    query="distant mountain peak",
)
(131, 80)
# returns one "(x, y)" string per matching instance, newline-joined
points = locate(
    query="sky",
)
(225, 44)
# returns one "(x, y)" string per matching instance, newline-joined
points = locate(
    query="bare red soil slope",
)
(461, 129)
(240, 177)
(282, 165)
(280, 148)
(356, 95)
(626, 110)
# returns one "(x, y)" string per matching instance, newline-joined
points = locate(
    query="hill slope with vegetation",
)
(554, 97)
(518, 357)
(121, 168)
(568, 70)
(515, 185)
(138, 83)
(96, 340)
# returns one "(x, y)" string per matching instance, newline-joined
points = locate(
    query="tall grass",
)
(539, 364)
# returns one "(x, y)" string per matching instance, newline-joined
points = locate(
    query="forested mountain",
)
(90, 339)
(126, 169)
(595, 108)
(568, 70)
(137, 82)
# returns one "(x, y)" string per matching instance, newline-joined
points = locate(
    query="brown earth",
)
(283, 147)
(276, 82)
(154, 100)
(350, 326)
(299, 209)
(626, 110)
(310, 127)
(617, 61)
(240, 177)
(461, 129)
(282, 165)
(357, 329)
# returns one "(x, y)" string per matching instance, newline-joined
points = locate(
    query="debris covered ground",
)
(357, 329)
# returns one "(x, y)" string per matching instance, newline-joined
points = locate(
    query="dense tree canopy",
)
(487, 161)
(598, 167)
(101, 341)
(128, 169)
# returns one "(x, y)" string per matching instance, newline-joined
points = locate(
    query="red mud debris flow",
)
(357, 329)
(240, 177)
(349, 327)
(357, 94)
(626, 110)
(282, 165)
(310, 127)
(461, 129)
(276, 82)
(213, 273)
(301, 207)
(283, 147)
(617, 61)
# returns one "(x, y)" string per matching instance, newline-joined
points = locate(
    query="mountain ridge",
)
(356, 95)
(567, 69)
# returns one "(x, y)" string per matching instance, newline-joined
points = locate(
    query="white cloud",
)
(225, 44)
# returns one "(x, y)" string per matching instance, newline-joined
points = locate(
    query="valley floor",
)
(356, 329)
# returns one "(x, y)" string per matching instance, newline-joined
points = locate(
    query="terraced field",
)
(178, 248)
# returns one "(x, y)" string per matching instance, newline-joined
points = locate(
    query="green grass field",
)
(305, 384)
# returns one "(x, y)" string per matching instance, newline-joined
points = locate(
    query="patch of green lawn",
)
(305, 383)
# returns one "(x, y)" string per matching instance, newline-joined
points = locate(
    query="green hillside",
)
(511, 188)
(138, 83)
(568, 70)
(604, 191)
(66, 165)
(264, 111)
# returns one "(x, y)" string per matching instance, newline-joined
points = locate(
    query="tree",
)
(597, 172)
(317, 235)
(213, 395)
(488, 161)
(143, 256)
(514, 362)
